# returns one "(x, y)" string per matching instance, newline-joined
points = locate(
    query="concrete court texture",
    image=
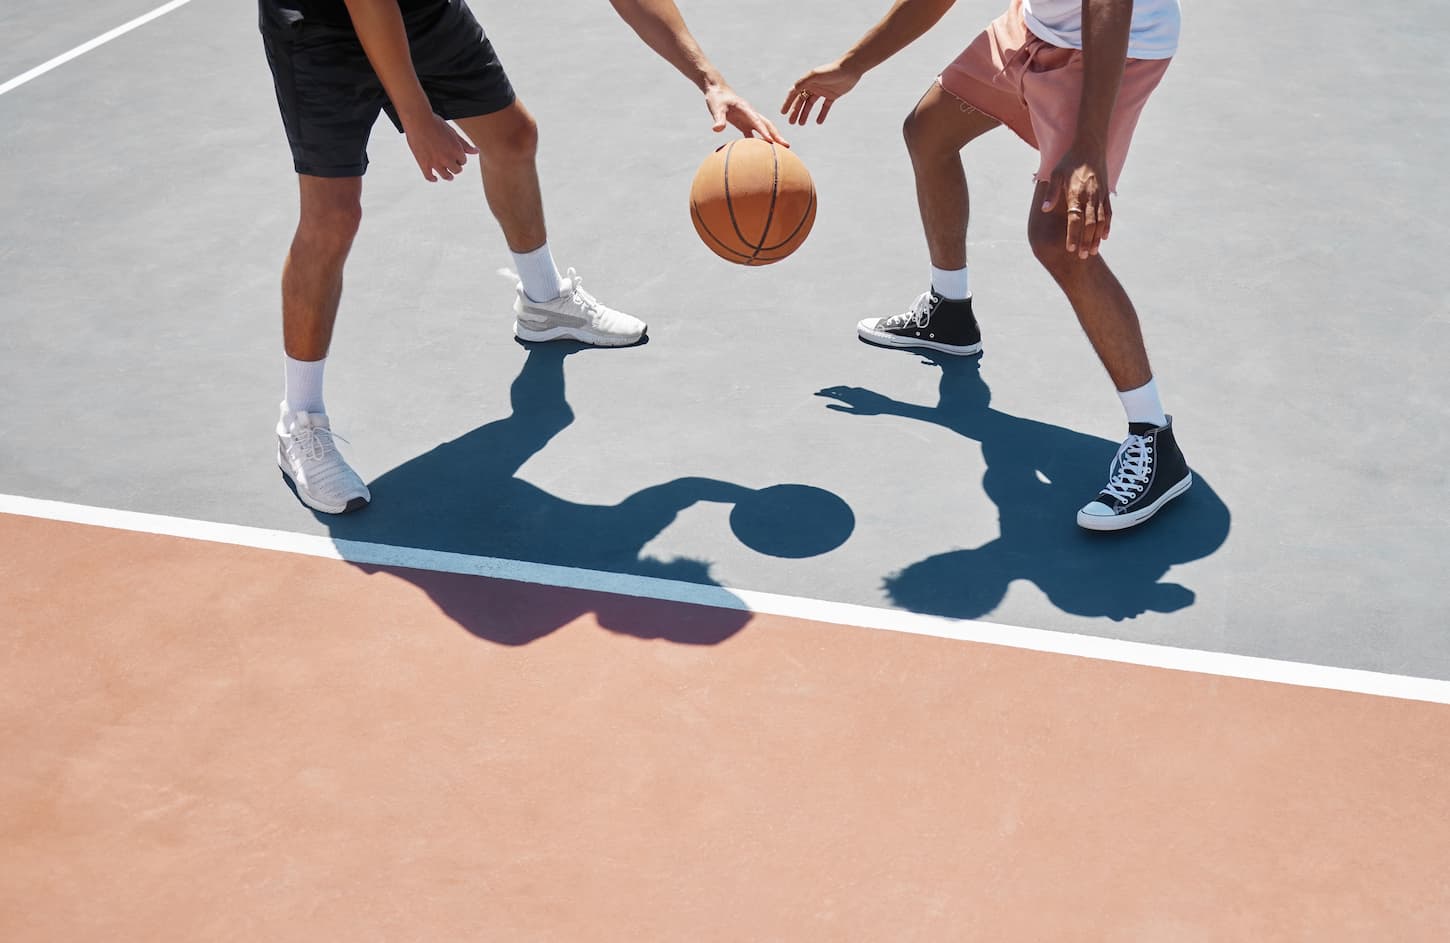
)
(1276, 226)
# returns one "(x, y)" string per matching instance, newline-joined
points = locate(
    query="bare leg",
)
(1103, 309)
(331, 210)
(507, 141)
(936, 131)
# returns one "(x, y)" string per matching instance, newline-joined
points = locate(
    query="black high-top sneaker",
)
(932, 322)
(1147, 473)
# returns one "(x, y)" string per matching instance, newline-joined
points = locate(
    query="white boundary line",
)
(1039, 640)
(84, 48)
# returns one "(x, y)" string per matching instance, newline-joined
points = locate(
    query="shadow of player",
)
(465, 497)
(1038, 475)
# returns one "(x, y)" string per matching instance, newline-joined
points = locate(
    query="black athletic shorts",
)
(330, 96)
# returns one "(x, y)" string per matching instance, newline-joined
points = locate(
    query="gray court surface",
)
(1280, 226)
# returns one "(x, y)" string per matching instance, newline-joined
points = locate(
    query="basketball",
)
(753, 202)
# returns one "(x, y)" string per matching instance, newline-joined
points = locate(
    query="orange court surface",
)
(210, 742)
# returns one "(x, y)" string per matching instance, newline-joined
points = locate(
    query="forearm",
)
(902, 25)
(1105, 28)
(379, 26)
(660, 25)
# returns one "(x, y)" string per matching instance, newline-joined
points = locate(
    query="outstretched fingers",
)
(822, 85)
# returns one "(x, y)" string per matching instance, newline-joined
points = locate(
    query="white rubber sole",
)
(1124, 521)
(582, 335)
(867, 332)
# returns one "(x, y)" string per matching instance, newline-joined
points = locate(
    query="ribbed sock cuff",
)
(303, 388)
(951, 284)
(1143, 405)
(538, 273)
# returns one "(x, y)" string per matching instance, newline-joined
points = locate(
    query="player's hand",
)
(824, 84)
(437, 147)
(1080, 182)
(728, 108)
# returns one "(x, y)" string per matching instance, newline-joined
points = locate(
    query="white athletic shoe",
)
(309, 458)
(575, 315)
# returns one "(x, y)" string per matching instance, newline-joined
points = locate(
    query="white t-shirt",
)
(1154, 32)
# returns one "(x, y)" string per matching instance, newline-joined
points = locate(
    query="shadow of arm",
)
(858, 401)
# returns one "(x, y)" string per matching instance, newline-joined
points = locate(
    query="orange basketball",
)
(752, 202)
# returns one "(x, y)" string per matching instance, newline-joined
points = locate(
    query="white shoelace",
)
(1128, 472)
(918, 315)
(585, 301)
(314, 443)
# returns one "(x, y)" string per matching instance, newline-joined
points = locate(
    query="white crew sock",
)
(304, 385)
(950, 283)
(1143, 405)
(538, 273)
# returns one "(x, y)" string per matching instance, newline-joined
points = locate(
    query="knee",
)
(344, 218)
(913, 132)
(517, 142)
(929, 133)
(1047, 235)
(331, 220)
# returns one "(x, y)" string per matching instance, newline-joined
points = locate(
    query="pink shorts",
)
(1035, 88)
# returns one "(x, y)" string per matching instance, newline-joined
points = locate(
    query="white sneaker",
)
(308, 457)
(575, 315)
